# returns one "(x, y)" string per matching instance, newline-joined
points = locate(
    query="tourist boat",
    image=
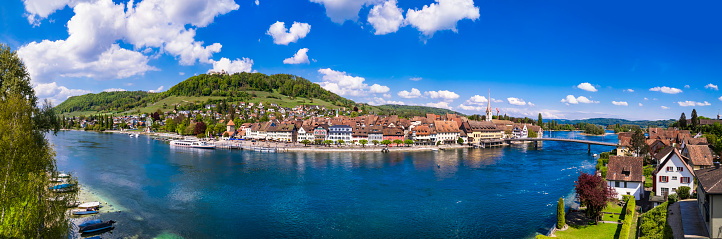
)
(89, 205)
(192, 144)
(97, 227)
(84, 211)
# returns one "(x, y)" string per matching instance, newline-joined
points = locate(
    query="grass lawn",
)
(603, 230)
(611, 218)
(612, 207)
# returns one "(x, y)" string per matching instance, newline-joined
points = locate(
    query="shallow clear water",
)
(508, 192)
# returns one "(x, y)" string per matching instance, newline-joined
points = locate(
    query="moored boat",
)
(90, 222)
(89, 205)
(97, 227)
(63, 187)
(84, 211)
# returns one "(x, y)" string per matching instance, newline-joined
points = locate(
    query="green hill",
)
(611, 121)
(282, 89)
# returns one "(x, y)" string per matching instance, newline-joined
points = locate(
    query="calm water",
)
(506, 192)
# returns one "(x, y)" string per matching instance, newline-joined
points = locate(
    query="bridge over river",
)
(581, 141)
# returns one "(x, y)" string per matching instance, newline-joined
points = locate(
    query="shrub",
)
(225, 134)
(653, 222)
(604, 172)
(672, 198)
(648, 171)
(560, 213)
(648, 185)
(628, 214)
(604, 155)
(625, 198)
(683, 192)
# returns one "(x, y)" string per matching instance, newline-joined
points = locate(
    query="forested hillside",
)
(412, 110)
(117, 101)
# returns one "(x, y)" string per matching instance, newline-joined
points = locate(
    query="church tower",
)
(488, 107)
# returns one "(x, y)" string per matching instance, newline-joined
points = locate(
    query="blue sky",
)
(565, 59)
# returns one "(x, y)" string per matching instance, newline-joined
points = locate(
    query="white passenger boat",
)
(192, 144)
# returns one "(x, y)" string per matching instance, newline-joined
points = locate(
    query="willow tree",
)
(28, 209)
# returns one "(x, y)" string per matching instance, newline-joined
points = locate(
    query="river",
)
(161, 191)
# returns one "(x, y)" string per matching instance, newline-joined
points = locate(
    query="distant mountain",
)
(282, 89)
(611, 121)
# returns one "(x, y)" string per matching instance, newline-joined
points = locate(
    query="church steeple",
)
(488, 107)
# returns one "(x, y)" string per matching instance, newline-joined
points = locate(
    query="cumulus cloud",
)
(720, 98)
(442, 15)
(666, 90)
(299, 58)
(629, 90)
(640, 105)
(343, 84)
(237, 65)
(664, 107)
(692, 103)
(415, 93)
(444, 95)
(382, 101)
(581, 99)
(92, 48)
(113, 90)
(442, 104)
(342, 10)
(56, 94)
(477, 100)
(386, 18)
(530, 104)
(257, 3)
(516, 101)
(37, 10)
(156, 90)
(711, 86)
(686, 86)
(586, 86)
(471, 107)
(620, 103)
(283, 36)
(415, 78)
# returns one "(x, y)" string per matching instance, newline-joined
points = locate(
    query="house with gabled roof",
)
(709, 199)
(672, 173)
(626, 175)
(698, 156)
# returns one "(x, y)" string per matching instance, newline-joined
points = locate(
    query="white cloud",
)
(629, 90)
(381, 101)
(665, 107)
(711, 86)
(343, 84)
(693, 103)
(472, 108)
(113, 90)
(477, 100)
(237, 65)
(645, 98)
(415, 93)
(442, 15)
(445, 95)
(686, 86)
(530, 104)
(299, 58)
(378, 89)
(156, 90)
(56, 94)
(442, 104)
(387, 95)
(516, 101)
(342, 10)
(415, 78)
(640, 105)
(667, 90)
(257, 3)
(586, 86)
(620, 103)
(570, 99)
(386, 18)
(181, 73)
(93, 50)
(720, 98)
(283, 36)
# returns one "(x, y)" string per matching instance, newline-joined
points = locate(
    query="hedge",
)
(628, 211)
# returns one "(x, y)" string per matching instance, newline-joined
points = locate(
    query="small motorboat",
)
(90, 222)
(62, 187)
(89, 205)
(594, 155)
(434, 149)
(84, 211)
(97, 227)
(63, 175)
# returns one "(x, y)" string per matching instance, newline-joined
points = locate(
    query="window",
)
(685, 179)
(665, 191)
(670, 168)
(616, 184)
(674, 177)
(663, 179)
(625, 184)
(679, 169)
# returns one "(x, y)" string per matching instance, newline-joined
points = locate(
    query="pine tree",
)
(560, 214)
(540, 122)
(694, 120)
(682, 123)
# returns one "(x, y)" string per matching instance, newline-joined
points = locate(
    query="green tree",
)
(682, 122)
(305, 142)
(560, 214)
(683, 192)
(27, 160)
(386, 142)
(375, 142)
(327, 142)
(340, 142)
(639, 143)
(460, 141)
(363, 142)
(397, 142)
(693, 123)
(540, 122)
(408, 142)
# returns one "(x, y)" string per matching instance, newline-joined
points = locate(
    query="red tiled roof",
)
(625, 168)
